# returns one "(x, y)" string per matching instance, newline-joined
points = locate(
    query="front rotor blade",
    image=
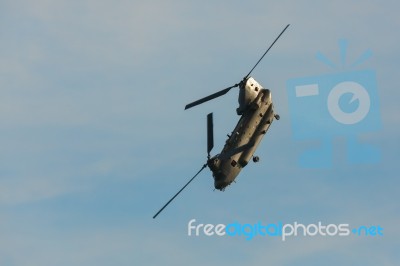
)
(210, 97)
(204, 166)
(210, 133)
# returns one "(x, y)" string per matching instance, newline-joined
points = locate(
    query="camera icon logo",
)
(343, 104)
(358, 92)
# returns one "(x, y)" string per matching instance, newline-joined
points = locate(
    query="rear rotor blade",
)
(204, 166)
(210, 97)
(210, 133)
(266, 51)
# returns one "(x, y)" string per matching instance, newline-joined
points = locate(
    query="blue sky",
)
(95, 139)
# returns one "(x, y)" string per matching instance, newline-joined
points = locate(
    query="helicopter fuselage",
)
(257, 114)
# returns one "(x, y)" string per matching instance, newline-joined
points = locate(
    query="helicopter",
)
(256, 113)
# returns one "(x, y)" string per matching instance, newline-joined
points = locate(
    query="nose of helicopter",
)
(220, 185)
(220, 181)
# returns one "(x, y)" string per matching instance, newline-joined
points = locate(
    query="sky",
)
(94, 137)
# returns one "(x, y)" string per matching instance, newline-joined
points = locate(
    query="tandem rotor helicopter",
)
(257, 113)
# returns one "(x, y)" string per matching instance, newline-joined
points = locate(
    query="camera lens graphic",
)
(358, 92)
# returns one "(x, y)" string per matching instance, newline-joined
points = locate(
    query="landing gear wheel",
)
(256, 159)
(277, 117)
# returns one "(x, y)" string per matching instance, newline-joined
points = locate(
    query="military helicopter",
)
(257, 113)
